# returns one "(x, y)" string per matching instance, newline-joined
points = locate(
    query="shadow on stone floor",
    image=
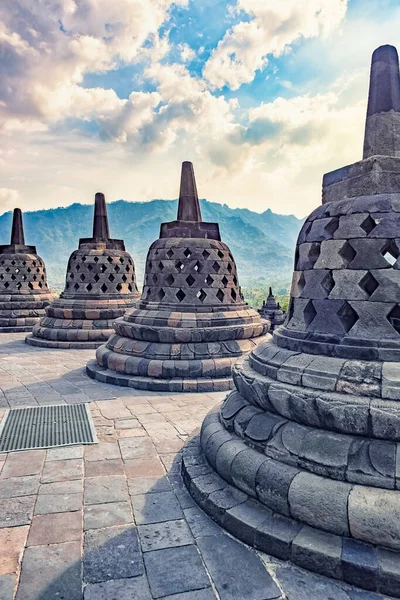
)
(175, 552)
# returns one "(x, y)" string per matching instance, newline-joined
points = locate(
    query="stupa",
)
(272, 311)
(302, 460)
(24, 292)
(191, 322)
(100, 286)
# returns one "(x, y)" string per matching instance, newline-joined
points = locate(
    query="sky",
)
(263, 96)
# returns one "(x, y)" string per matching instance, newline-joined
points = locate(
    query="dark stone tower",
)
(311, 435)
(271, 311)
(100, 286)
(191, 322)
(24, 293)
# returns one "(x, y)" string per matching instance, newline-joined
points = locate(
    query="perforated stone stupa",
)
(191, 322)
(303, 458)
(100, 286)
(24, 293)
(272, 311)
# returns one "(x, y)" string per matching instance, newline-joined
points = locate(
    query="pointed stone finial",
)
(100, 221)
(188, 206)
(382, 128)
(17, 230)
(270, 291)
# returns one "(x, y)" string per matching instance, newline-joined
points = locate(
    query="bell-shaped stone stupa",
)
(307, 448)
(272, 311)
(24, 293)
(100, 286)
(191, 322)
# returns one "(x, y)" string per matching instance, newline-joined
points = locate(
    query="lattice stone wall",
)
(22, 274)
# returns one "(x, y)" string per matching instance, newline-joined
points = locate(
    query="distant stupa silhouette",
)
(100, 286)
(191, 322)
(308, 444)
(271, 311)
(24, 292)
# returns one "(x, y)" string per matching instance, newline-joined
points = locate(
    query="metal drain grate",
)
(46, 427)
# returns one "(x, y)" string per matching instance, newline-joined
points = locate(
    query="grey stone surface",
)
(120, 589)
(156, 508)
(164, 535)
(175, 570)
(16, 511)
(273, 482)
(7, 583)
(13, 487)
(206, 594)
(249, 577)
(300, 585)
(360, 564)
(99, 490)
(97, 516)
(200, 524)
(318, 551)
(111, 553)
(244, 470)
(389, 572)
(47, 503)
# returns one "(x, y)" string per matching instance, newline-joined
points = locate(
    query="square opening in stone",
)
(46, 427)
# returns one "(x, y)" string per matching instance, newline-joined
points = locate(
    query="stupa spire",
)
(188, 206)
(382, 128)
(270, 291)
(17, 230)
(100, 220)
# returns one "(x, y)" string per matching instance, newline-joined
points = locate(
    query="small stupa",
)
(191, 322)
(24, 292)
(100, 286)
(272, 311)
(305, 453)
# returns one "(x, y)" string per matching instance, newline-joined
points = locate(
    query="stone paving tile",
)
(7, 584)
(102, 452)
(206, 594)
(18, 464)
(66, 453)
(110, 514)
(164, 535)
(51, 572)
(13, 487)
(62, 470)
(200, 524)
(144, 466)
(148, 485)
(12, 542)
(53, 503)
(55, 528)
(99, 490)
(111, 553)
(16, 511)
(175, 570)
(121, 589)
(61, 487)
(156, 508)
(102, 468)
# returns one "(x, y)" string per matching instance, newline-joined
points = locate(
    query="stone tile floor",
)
(113, 521)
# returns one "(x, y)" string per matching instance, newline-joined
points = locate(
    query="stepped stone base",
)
(374, 568)
(31, 340)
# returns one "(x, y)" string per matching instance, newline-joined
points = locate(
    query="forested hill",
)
(262, 244)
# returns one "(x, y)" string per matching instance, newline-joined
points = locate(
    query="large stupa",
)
(191, 322)
(302, 460)
(24, 292)
(100, 286)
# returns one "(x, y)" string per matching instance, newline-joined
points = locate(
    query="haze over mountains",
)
(262, 244)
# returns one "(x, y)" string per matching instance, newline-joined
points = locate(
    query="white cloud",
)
(8, 199)
(186, 52)
(273, 26)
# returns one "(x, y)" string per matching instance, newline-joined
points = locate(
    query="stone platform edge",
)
(41, 343)
(357, 563)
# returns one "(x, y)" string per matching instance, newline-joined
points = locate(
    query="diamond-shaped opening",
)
(19, 285)
(23, 262)
(38, 270)
(209, 280)
(233, 294)
(96, 278)
(179, 265)
(390, 253)
(197, 267)
(224, 281)
(119, 287)
(33, 262)
(229, 267)
(161, 266)
(368, 283)
(124, 278)
(220, 254)
(66, 286)
(205, 254)
(71, 276)
(368, 224)
(17, 270)
(117, 268)
(82, 277)
(201, 295)
(104, 288)
(127, 268)
(76, 286)
(309, 313)
(42, 278)
(235, 281)
(111, 277)
(2, 276)
(103, 268)
(6, 285)
(83, 258)
(154, 278)
(170, 253)
(129, 287)
(190, 280)
(328, 283)
(347, 316)
(187, 253)
(394, 318)
(96, 259)
(301, 283)
(121, 260)
(34, 278)
(8, 270)
(109, 258)
(24, 278)
(169, 279)
(180, 294)
(148, 292)
(40, 284)
(90, 267)
(160, 294)
(13, 263)
(30, 285)
(28, 269)
(78, 266)
(347, 252)
(216, 266)
(150, 265)
(13, 277)
(332, 225)
(89, 287)
(220, 295)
